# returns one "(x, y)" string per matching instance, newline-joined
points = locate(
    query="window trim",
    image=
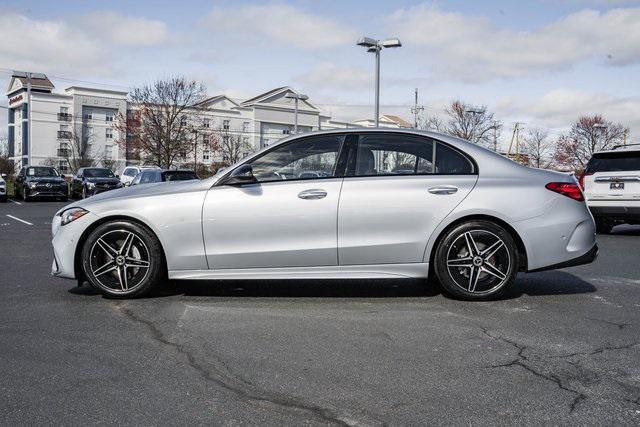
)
(342, 151)
(351, 172)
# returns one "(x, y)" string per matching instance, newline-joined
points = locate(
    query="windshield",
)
(41, 171)
(614, 162)
(178, 176)
(98, 173)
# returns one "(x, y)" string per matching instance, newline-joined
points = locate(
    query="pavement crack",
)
(521, 362)
(598, 350)
(243, 389)
(608, 322)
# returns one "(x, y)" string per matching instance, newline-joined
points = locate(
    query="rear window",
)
(614, 162)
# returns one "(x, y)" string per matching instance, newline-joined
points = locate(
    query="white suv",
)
(611, 186)
(130, 172)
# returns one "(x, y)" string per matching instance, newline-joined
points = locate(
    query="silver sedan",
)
(351, 203)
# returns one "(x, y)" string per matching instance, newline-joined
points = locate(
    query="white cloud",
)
(474, 49)
(332, 76)
(126, 30)
(558, 108)
(281, 23)
(45, 46)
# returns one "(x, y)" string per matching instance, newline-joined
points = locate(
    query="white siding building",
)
(90, 113)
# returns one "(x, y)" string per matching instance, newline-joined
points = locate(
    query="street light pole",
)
(375, 46)
(296, 97)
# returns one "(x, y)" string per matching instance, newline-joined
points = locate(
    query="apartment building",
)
(56, 120)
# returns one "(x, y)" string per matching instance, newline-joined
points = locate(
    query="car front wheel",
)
(476, 260)
(123, 259)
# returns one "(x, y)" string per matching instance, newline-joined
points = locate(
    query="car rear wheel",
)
(123, 259)
(476, 260)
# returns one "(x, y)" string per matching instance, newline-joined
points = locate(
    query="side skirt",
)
(380, 271)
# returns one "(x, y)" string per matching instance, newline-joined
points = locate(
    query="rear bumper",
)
(616, 212)
(587, 258)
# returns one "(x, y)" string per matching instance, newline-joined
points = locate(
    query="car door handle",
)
(313, 194)
(445, 189)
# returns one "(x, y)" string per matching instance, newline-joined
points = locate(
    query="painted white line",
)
(18, 219)
(14, 201)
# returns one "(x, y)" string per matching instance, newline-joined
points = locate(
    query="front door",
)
(287, 219)
(397, 195)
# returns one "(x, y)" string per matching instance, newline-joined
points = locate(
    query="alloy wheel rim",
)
(119, 261)
(478, 261)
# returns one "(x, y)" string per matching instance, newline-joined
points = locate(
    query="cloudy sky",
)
(543, 62)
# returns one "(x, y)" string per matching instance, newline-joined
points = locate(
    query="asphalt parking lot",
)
(562, 347)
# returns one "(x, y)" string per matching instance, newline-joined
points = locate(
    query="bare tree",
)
(474, 124)
(586, 136)
(537, 148)
(7, 166)
(432, 123)
(164, 115)
(76, 149)
(231, 147)
(107, 162)
(4, 146)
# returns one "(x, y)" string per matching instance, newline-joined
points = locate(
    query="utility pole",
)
(515, 137)
(296, 97)
(416, 110)
(495, 136)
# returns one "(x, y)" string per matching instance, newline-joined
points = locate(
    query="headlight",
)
(71, 215)
(119, 185)
(91, 185)
(32, 184)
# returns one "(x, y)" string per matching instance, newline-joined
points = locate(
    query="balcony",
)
(64, 117)
(64, 134)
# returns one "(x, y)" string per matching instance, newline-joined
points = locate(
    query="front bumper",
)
(65, 243)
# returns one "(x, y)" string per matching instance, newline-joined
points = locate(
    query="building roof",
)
(19, 80)
(398, 120)
(265, 95)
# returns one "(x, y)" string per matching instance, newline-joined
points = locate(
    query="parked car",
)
(130, 172)
(469, 216)
(90, 181)
(3, 188)
(150, 176)
(611, 184)
(40, 181)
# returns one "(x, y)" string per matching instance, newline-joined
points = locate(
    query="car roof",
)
(619, 150)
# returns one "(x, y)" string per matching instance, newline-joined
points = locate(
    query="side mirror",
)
(239, 176)
(3, 175)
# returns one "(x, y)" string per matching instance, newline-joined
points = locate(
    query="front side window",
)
(309, 158)
(389, 154)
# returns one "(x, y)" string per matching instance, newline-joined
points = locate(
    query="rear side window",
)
(148, 177)
(614, 162)
(178, 176)
(401, 154)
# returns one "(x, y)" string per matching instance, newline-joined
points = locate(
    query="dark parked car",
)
(40, 181)
(149, 176)
(90, 181)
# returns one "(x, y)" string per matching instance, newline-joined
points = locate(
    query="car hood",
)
(145, 190)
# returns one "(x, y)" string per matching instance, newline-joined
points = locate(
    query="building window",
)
(225, 124)
(183, 121)
(245, 140)
(225, 139)
(108, 117)
(205, 155)
(286, 131)
(206, 123)
(64, 110)
(63, 167)
(265, 141)
(206, 139)
(88, 116)
(245, 127)
(108, 133)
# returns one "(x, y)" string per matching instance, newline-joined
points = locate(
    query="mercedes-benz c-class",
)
(353, 203)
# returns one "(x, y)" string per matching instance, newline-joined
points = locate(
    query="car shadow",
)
(535, 284)
(625, 230)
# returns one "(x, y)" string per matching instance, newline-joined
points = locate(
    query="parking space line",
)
(18, 219)
(15, 201)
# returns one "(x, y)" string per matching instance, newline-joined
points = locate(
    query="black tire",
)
(84, 192)
(603, 226)
(25, 196)
(494, 266)
(107, 278)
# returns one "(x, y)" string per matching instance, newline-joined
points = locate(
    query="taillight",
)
(568, 189)
(581, 180)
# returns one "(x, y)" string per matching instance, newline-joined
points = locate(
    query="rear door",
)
(399, 188)
(613, 175)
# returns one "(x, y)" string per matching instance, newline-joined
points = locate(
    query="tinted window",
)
(380, 154)
(98, 173)
(178, 176)
(309, 158)
(449, 161)
(41, 171)
(129, 172)
(148, 177)
(614, 162)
